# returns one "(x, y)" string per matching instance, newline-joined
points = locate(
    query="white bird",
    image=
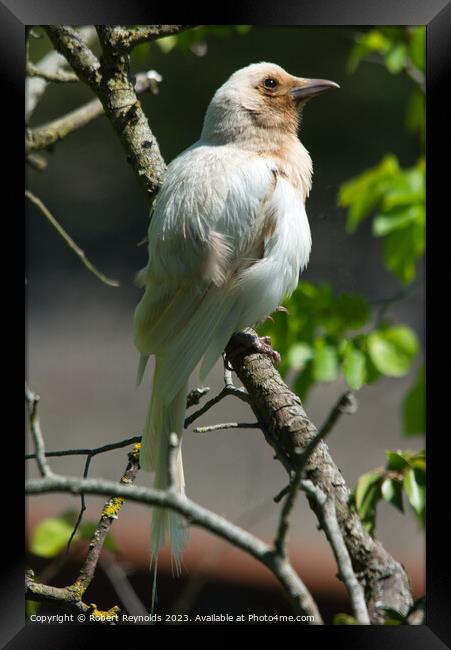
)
(228, 238)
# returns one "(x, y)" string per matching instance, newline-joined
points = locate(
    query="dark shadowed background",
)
(81, 357)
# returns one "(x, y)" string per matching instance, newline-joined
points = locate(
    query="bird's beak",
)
(308, 88)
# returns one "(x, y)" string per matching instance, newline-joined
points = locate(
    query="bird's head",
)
(261, 95)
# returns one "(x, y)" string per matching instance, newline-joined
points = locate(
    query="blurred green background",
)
(80, 353)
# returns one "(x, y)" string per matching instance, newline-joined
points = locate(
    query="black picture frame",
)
(436, 15)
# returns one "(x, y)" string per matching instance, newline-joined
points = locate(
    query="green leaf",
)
(396, 57)
(372, 41)
(402, 249)
(415, 487)
(344, 619)
(391, 489)
(363, 193)
(354, 368)
(325, 362)
(299, 354)
(352, 310)
(50, 537)
(167, 43)
(397, 218)
(392, 349)
(414, 406)
(417, 460)
(393, 617)
(367, 495)
(396, 461)
(417, 47)
(31, 607)
(407, 188)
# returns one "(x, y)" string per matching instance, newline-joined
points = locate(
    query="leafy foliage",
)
(397, 198)
(344, 619)
(405, 472)
(399, 48)
(51, 535)
(322, 335)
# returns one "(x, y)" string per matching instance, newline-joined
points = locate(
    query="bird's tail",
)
(163, 418)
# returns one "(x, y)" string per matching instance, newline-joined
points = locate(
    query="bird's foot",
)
(248, 342)
(278, 308)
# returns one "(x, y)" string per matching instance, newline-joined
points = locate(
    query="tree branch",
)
(226, 425)
(286, 427)
(52, 63)
(125, 39)
(109, 514)
(35, 428)
(69, 241)
(110, 81)
(330, 525)
(49, 134)
(297, 593)
(57, 76)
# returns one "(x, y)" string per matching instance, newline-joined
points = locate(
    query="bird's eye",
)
(270, 83)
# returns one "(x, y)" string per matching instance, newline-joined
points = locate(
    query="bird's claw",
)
(248, 342)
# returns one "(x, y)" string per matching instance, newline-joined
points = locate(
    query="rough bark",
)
(287, 427)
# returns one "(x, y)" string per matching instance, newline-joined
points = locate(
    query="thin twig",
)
(287, 508)
(226, 425)
(51, 63)
(195, 395)
(112, 84)
(109, 514)
(69, 241)
(122, 586)
(229, 389)
(295, 589)
(346, 572)
(347, 403)
(47, 135)
(90, 452)
(57, 76)
(82, 509)
(126, 39)
(286, 427)
(37, 162)
(35, 428)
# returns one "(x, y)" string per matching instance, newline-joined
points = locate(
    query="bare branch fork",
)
(295, 589)
(287, 429)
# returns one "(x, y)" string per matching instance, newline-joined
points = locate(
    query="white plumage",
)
(228, 238)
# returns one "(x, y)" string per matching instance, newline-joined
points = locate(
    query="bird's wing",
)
(210, 220)
(209, 212)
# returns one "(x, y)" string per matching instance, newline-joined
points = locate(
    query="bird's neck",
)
(278, 142)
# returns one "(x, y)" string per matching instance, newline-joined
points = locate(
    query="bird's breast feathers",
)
(224, 214)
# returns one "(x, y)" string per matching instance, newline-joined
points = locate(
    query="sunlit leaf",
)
(354, 368)
(415, 487)
(50, 537)
(392, 349)
(391, 489)
(325, 362)
(344, 619)
(395, 58)
(417, 46)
